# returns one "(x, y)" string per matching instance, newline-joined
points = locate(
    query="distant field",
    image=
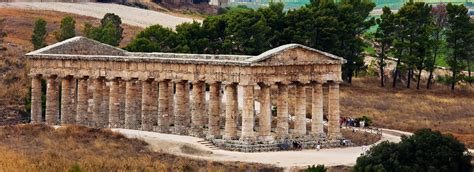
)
(411, 109)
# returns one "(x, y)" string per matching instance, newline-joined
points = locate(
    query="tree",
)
(39, 34)
(384, 38)
(154, 39)
(352, 16)
(457, 39)
(416, 28)
(67, 29)
(425, 150)
(439, 15)
(109, 32)
(2, 33)
(116, 22)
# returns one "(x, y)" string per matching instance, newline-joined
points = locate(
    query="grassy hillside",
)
(411, 109)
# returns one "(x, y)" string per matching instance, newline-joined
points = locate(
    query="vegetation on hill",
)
(43, 148)
(426, 150)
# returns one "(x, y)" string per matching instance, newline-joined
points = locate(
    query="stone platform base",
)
(277, 145)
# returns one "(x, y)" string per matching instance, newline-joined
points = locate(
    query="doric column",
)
(82, 98)
(300, 111)
(282, 111)
(317, 110)
(171, 92)
(147, 105)
(164, 115)
(198, 109)
(114, 104)
(130, 104)
(180, 108)
(214, 110)
(231, 110)
(334, 130)
(36, 108)
(291, 99)
(51, 101)
(187, 106)
(248, 114)
(98, 100)
(66, 102)
(265, 120)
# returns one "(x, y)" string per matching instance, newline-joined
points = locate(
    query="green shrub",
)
(313, 168)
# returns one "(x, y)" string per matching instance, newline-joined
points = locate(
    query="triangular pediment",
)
(80, 46)
(295, 54)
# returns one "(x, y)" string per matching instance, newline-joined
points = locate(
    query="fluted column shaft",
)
(180, 108)
(98, 100)
(66, 101)
(334, 130)
(198, 109)
(51, 101)
(164, 115)
(36, 108)
(248, 119)
(282, 111)
(300, 113)
(317, 110)
(265, 120)
(231, 111)
(82, 117)
(114, 104)
(147, 106)
(131, 121)
(214, 109)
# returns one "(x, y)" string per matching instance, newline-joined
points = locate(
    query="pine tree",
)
(67, 29)
(39, 34)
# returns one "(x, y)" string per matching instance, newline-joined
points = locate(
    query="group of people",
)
(296, 145)
(351, 122)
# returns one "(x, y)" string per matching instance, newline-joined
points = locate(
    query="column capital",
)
(35, 75)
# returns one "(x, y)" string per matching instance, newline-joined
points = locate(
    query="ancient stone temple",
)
(226, 98)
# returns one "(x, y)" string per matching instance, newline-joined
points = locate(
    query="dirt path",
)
(190, 147)
(132, 16)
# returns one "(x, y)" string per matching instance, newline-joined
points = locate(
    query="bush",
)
(313, 168)
(426, 150)
(368, 121)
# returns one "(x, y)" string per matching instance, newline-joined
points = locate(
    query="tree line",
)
(415, 35)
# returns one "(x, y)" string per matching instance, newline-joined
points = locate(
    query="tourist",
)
(318, 146)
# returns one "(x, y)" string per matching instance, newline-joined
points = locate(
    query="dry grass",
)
(360, 138)
(42, 148)
(411, 109)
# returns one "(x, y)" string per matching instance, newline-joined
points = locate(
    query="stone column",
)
(114, 104)
(282, 111)
(66, 102)
(130, 104)
(147, 105)
(334, 130)
(231, 110)
(198, 109)
(291, 99)
(171, 93)
(82, 98)
(300, 113)
(164, 115)
(180, 108)
(98, 100)
(187, 106)
(317, 110)
(248, 114)
(214, 110)
(51, 101)
(36, 107)
(265, 120)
